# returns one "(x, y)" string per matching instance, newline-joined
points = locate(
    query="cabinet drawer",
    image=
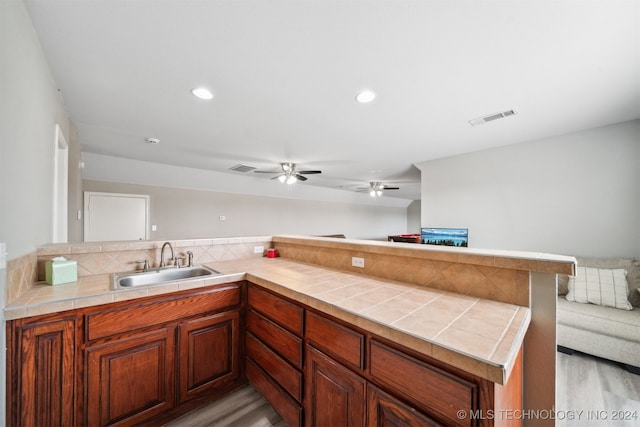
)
(386, 410)
(289, 409)
(280, 340)
(286, 314)
(289, 378)
(429, 388)
(106, 323)
(334, 339)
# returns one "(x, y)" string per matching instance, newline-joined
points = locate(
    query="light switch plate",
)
(3, 255)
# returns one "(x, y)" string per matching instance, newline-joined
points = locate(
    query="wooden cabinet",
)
(275, 348)
(169, 350)
(353, 377)
(342, 343)
(385, 410)
(428, 387)
(335, 396)
(127, 362)
(41, 367)
(208, 353)
(131, 379)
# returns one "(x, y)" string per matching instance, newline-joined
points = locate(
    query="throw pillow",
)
(600, 286)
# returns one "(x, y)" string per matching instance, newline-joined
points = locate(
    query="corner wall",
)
(31, 107)
(575, 194)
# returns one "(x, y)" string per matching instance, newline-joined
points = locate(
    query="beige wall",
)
(187, 213)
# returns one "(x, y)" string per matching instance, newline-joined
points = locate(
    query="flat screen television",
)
(445, 236)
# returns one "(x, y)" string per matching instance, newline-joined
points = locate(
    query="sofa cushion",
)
(631, 265)
(601, 320)
(600, 286)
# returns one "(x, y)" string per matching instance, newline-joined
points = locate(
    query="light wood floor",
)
(590, 391)
(242, 408)
(596, 392)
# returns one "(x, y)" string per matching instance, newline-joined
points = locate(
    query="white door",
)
(115, 216)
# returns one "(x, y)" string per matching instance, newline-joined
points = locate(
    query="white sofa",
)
(601, 331)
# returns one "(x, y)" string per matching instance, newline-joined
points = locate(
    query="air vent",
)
(492, 117)
(241, 168)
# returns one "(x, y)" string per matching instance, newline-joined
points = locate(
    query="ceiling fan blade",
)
(390, 188)
(267, 171)
(308, 172)
(300, 177)
(277, 176)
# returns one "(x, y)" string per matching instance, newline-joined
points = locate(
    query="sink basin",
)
(154, 277)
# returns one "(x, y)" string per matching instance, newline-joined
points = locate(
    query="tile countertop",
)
(477, 335)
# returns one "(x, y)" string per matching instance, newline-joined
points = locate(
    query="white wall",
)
(187, 202)
(31, 106)
(576, 194)
(189, 213)
(414, 218)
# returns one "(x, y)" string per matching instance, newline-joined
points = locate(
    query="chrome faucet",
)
(162, 264)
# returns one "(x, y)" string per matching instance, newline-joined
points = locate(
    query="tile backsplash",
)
(21, 275)
(113, 257)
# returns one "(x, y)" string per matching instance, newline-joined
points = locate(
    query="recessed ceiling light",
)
(152, 141)
(202, 93)
(365, 96)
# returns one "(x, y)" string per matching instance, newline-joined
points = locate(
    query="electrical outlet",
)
(357, 262)
(258, 249)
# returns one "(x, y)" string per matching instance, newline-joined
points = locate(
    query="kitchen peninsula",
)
(460, 313)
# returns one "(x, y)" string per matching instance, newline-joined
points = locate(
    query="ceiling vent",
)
(241, 168)
(492, 117)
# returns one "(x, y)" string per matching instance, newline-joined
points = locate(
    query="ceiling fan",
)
(290, 174)
(375, 188)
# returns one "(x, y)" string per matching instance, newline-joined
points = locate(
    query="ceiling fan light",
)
(202, 93)
(379, 192)
(291, 179)
(365, 96)
(282, 178)
(372, 193)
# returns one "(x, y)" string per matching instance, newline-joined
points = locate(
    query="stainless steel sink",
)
(154, 277)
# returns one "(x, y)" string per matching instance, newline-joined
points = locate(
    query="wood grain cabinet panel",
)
(385, 410)
(44, 361)
(277, 338)
(208, 353)
(290, 410)
(145, 314)
(289, 378)
(438, 392)
(130, 380)
(340, 342)
(286, 314)
(334, 395)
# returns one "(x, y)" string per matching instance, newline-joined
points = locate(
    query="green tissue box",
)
(58, 272)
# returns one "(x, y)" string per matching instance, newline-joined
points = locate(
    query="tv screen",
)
(445, 236)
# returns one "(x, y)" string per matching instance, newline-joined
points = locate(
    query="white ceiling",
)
(285, 73)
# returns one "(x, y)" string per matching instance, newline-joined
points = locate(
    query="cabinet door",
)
(334, 396)
(131, 379)
(385, 410)
(45, 359)
(208, 353)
